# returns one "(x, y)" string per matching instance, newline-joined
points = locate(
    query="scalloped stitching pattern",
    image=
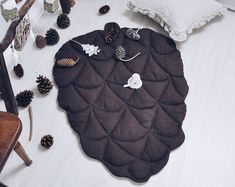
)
(125, 105)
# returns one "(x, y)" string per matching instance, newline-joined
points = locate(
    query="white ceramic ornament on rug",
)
(89, 49)
(134, 81)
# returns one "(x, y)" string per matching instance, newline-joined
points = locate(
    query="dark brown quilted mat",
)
(131, 131)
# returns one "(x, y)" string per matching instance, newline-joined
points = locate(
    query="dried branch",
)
(31, 122)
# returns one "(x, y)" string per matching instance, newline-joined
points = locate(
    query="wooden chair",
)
(10, 124)
(10, 129)
(2, 185)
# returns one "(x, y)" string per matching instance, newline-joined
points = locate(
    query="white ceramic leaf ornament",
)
(89, 49)
(134, 82)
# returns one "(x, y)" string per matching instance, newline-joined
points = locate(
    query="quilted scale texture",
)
(131, 131)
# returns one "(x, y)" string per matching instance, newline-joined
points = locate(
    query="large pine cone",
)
(18, 69)
(40, 41)
(63, 21)
(47, 141)
(52, 37)
(24, 98)
(66, 62)
(44, 84)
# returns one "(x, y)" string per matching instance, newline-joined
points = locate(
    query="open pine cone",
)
(18, 69)
(44, 84)
(63, 21)
(24, 98)
(52, 37)
(47, 141)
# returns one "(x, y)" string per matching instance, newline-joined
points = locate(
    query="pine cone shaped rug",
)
(126, 103)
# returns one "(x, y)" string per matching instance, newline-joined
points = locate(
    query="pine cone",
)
(44, 84)
(111, 34)
(52, 37)
(104, 9)
(47, 141)
(40, 41)
(66, 62)
(114, 32)
(120, 53)
(63, 21)
(71, 3)
(24, 98)
(108, 38)
(18, 69)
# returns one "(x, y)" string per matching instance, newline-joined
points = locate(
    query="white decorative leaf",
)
(89, 49)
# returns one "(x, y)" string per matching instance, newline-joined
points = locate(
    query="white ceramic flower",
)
(134, 81)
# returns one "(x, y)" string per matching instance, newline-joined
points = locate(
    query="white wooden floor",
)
(207, 157)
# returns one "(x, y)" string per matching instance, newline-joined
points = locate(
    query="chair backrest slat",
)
(6, 88)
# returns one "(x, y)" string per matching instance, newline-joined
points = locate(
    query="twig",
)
(31, 122)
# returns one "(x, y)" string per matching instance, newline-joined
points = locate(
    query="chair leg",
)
(22, 154)
(2, 185)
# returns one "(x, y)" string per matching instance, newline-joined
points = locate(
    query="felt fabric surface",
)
(131, 131)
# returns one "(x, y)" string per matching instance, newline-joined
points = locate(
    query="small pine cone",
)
(120, 53)
(44, 84)
(24, 98)
(114, 32)
(104, 9)
(66, 62)
(47, 141)
(108, 38)
(71, 3)
(18, 69)
(52, 37)
(40, 41)
(63, 21)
